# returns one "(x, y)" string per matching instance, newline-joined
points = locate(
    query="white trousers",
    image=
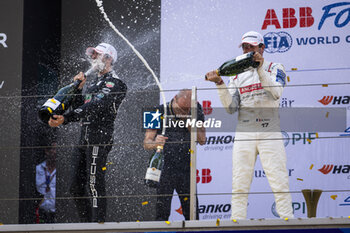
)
(272, 155)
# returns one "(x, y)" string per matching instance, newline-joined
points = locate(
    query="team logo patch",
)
(110, 84)
(281, 77)
(100, 95)
(88, 98)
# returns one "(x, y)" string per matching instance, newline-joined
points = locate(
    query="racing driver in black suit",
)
(96, 110)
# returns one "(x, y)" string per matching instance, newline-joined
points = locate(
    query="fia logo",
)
(151, 120)
(277, 42)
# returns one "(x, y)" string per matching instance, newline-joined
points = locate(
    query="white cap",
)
(105, 48)
(253, 38)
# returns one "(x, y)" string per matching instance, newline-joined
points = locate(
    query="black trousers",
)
(178, 180)
(88, 184)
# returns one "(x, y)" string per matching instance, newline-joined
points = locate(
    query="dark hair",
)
(261, 45)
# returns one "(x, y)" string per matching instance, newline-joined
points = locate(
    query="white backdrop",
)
(198, 36)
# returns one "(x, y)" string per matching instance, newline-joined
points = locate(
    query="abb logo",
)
(206, 176)
(289, 19)
(207, 109)
(326, 169)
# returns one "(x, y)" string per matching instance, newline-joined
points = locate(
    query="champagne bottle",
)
(238, 65)
(61, 101)
(155, 167)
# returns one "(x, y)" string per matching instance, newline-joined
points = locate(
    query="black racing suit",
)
(176, 171)
(96, 109)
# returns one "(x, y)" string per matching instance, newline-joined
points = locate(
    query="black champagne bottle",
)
(58, 104)
(238, 65)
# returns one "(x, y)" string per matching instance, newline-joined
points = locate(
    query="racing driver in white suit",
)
(256, 94)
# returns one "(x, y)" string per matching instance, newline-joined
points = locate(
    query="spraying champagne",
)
(62, 100)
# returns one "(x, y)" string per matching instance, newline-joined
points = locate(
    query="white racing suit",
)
(255, 94)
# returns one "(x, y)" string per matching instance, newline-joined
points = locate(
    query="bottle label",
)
(52, 103)
(153, 174)
(241, 57)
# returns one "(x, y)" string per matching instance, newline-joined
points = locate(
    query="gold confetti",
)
(104, 169)
(309, 140)
(300, 179)
(294, 68)
(145, 203)
(109, 163)
(334, 197)
(316, 135)
(137, 220)
(186, 198)
(311, 166)
(327, 114)
(167, 222)
(324, 85)
(288, 79)
(348, 216)
(234, 220)
(162, 117)
(218, 222)
(191, 151)
(286, 219)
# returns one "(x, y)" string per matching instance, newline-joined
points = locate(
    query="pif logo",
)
(277, 42)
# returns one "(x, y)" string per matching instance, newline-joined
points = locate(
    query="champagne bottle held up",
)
(155, 167)
(238, 65)
(61, 101)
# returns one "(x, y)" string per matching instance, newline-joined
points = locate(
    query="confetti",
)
(186, 198)
(348, 216)
(145, 203)
(311, 166)
(294, 68)
(324, 85)
(309, 140)
(109, 163)
(334, 197)
(288, 79)
(327, 114)
(218, 222)
(167, 222)
(286, 219)
(137, 220)
(316, 135)
(300, 179)
(162, 117)
(104, 169)
(234, 220)
(191, 151)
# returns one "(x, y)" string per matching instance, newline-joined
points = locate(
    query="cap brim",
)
(247, 42)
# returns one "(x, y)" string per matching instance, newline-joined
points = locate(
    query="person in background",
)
(176, 170)
(45, 180)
